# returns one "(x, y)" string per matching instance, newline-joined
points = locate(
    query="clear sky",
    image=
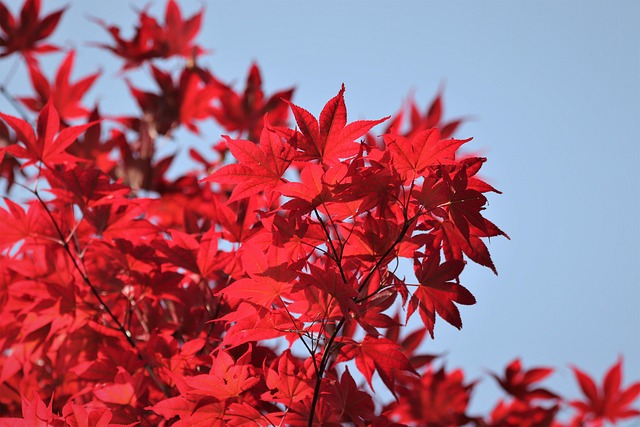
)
(553, 89)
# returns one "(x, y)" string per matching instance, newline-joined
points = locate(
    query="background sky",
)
(553, 90)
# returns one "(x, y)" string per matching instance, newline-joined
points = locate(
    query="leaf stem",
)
(328, 348)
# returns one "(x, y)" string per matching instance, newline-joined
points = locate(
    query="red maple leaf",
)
(377, 355)
(464, 204)
(437, 398)
(431, 118)
(412, 155)
(309, 193)
(330, 138)
(259, 168)
(46, 146)
(438, 292)
(378, 237)
(178, 34)
(227, 377)
(253, 323)
(34, 413)
(152, 40)
(518, 413)
(286, 381)
(351, 402)
(179, 102)
(269, 279)
(611, 402)
(246, 112)
(85, 187)
(518, 382)
(66, 96)
(24, 35)
(445, 235)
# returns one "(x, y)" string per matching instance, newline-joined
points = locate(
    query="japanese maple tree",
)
(261, 285)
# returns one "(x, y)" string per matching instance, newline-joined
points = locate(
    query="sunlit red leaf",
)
(330, 138)
(65, 96)
(48, 146)
(259, 168)
(378, 355)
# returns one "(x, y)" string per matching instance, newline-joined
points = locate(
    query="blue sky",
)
(553, 90)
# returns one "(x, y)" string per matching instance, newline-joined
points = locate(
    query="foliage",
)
(259, 288)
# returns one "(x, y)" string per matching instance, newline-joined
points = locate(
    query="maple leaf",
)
(431, 118)
(412, 155)
(378, 237)
(252, 323)
(259, 168)
(310, 192)
(174, 406)
(237, 219)
(464, 204)
(295, 234)
(269, 278)
(178, 34)
(181, 102)
(518, 382)
(244, 413)
(93, 147)
(246, 112)
(9, 165)
(330, 138)
(119, 219)
(119, 392)
(24, 35)
(611, 402)
(353, 404)
(66, 96)
(207, 252)
(437, 398)
(446, 235)
(286, 381)
(34, 413)
(152, 40)
(410, 343)
(227, 378)
(85, 187)
(437, 293)
(15, 224)
(377, 354)
(46, 147)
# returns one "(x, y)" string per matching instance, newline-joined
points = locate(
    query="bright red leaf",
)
(378, 355)
(25, 33)
(611, 402)
(153, 40)
(330, 138)
(259, 168)
(48, 146)
(438, 291)
(65, 96)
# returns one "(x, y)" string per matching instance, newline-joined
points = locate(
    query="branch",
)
(94, 291)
